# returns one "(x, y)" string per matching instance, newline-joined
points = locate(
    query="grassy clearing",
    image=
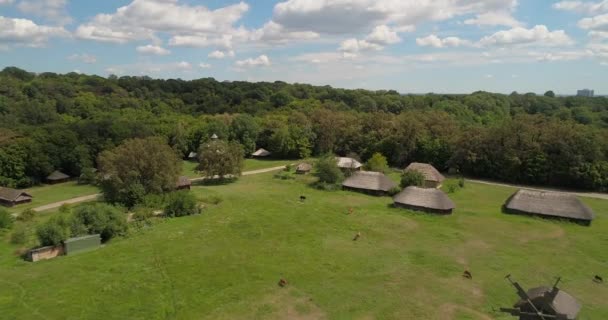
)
(53, 193)
(250, 164)
(225, 263)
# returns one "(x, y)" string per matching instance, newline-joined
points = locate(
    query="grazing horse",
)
(282, 282)
(598, 279)
(467, 274)
(302, 198)
(357, 236)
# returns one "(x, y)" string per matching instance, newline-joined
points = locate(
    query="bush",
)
(288, 168)
(394, 190)
(461, 182)
(212, 200)
(451, 188)
(181, 203)
(377, 163)
(283, 175)
(26, 215)
(327, 170)
(99, 218)
(143, 214)
(19, 236)
(88, 176)
(6, 220)
(411, 178)
(327, 186)
(54, 231)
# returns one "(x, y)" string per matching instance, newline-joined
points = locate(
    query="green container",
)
(82, 244)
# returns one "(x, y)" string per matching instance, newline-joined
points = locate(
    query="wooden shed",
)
(183, 183)
(432, 177)
(303, 168)
(261, 153)
(557, 205)
(424, 199)
(346, 163)
(12, 197)
(369, 182)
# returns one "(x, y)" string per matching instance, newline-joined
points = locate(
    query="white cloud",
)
(496, 18)
(152, 49)
(353, 45)
(598, 34)
(582, 7)
(86, 58)
(436, 42)
(383, 35)
(538, 35)
(201, 41)
(143, 19)
(52, 10)
(597, 23)
(351, 16)
(274, 33)
(152, 69)
(262, 60)
(183, 65)
(220, 54)
(23, 32)
(204, 65)
(3, 2)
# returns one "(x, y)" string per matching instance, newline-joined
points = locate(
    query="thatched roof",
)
(433, 199)
(563, 303)
(429, 172)
(192, 155)
(348, 163)
(261, 153)
(554, 204)
(214, 136)
(369, 180)
(304, 167)
(13, 195)
(183, 182)
(57, 175)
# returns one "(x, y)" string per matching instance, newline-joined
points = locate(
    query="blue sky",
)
(418, 46)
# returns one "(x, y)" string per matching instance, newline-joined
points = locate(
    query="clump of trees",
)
(50, 121)
(136, 168)
(220, 158)
(6, 220)
(377, 163)
(328, 172)
(411, 178)
(99, 218)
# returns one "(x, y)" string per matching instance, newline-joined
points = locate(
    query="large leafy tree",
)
(136, 168)
(220, 158)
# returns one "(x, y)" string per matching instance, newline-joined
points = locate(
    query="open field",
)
(53, 193)
(250, 164)
(225, 263)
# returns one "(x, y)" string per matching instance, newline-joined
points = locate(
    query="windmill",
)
(543, 303)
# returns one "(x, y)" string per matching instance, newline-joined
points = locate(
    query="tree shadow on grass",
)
(215, 182)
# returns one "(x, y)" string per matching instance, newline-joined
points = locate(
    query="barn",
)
(556, 205)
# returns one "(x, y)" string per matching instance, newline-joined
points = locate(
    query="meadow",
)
(226, 262)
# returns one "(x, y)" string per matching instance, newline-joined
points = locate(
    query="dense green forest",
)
(50, 121)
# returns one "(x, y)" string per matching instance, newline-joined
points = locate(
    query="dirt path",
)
(579, 194)
(92, 197)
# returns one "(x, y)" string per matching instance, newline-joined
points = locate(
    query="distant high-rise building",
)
(585, 93)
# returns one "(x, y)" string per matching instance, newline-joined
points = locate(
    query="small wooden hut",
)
(57, 177)
(183, 183)
(424, 199)
(550, 205)
(261, 153)
(12, 197)
(432, 177)
(303, 168)
(370, 182)
(346, 163)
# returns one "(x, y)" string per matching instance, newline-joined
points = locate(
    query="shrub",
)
(327, 186)
(6, 220)
(54, 231)
(65, 208)
(99, 218)
(288, 168)
(412, 178)
(394, 190)
(88, 176)
(212, 200)
(327, 170)
(377, 163)
(283, 175)
(26, 215)
(461, 182)
(143, 214)
(181, 203)
(451, 188)
(19, 236)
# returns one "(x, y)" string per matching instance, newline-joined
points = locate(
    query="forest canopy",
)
(61, 122)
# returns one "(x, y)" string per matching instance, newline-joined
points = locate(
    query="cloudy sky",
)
(413, 46)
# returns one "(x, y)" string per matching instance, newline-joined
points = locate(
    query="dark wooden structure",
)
(12, 197)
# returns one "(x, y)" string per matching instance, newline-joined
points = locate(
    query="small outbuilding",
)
(81, 244)
(57, 177)
(192, 156)
(432, 177)
(183, 183)
(303, 168)
(12, 197)
(261, 153)
(550, 205)
(369, 182)
(346, 163)
(424, 199)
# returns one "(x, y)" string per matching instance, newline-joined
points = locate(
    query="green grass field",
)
(250, 164)
(225, 263)
(53, 193)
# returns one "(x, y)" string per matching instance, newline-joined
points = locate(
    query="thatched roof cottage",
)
(261, 153)
(549, 204)
(369, 182)
(183, 183)
(57, 177)
(432, 177)
(348, 163)
(303, 168)
(11, 197)
(424, 199)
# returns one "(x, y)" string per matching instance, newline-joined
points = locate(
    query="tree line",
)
(51, 121)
